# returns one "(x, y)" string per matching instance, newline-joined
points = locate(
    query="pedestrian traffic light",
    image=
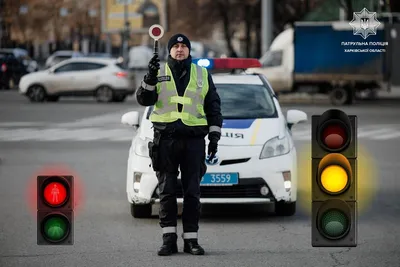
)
(55, 210)
(334, 179)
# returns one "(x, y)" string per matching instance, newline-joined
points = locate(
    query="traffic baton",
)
(156, 32)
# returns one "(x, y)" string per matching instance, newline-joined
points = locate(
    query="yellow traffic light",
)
(334, 179)
(335, 174)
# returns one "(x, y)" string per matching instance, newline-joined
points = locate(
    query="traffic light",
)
(334, 179)
(55, 210)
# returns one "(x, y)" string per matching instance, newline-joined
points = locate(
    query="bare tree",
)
(43, 17)
(229, 13)
(232, 12)
(348, 7)
(394, 6)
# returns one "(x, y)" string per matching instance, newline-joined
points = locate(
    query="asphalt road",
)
(87, 138)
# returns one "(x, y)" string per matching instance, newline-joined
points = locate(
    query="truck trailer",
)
(327, 58)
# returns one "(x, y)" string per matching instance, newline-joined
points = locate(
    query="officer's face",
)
(179, 51)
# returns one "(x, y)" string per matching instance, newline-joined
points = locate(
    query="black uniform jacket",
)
(212, 103)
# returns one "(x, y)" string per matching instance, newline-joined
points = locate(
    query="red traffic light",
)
(55, 194)
(334, 131)
(334, 136)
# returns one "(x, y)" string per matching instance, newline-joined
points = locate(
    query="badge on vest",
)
(164, 78)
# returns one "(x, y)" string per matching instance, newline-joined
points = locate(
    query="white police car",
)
(256, 159)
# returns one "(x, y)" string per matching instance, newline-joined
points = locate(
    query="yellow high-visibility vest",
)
(166, 108)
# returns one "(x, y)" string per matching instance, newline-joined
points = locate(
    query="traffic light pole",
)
(126, 35)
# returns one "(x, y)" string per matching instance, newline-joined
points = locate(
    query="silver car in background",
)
(105, 79)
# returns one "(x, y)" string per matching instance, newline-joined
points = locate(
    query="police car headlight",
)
(275, 147)
(141, 147)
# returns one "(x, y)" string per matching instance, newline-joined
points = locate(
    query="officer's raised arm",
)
(147, 93)
(212, 109)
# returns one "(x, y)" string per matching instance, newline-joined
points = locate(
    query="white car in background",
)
(257, 160)
(104, 78)
(60, 56)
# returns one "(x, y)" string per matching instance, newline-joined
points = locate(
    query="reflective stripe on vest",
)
(166, 108)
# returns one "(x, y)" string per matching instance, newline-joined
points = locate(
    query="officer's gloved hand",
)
(212, 150)
(154, 66)
(213, 145)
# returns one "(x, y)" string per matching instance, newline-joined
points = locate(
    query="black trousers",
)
(189, 155)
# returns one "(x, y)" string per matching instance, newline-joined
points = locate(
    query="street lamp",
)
(92, 14)
(126, 31)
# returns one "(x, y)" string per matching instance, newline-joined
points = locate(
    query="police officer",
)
(186, 109)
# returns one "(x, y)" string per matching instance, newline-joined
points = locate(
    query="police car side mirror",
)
(131, 118)
(295, 116)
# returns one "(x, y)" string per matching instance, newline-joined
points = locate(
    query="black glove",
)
(154, 66)
(213, 145)
(212, 149)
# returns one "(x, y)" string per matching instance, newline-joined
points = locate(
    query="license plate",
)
(219, 179)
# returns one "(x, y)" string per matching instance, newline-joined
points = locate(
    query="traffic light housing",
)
(334, 179)
(55, 208)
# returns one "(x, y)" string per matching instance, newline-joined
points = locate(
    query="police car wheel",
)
(285, 208)
(141, 211)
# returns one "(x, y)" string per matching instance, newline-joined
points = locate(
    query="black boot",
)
(191, 246)
(169, 245)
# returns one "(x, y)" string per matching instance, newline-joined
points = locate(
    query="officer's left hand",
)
(212, 149)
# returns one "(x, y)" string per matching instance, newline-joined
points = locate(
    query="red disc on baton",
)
(156, 31)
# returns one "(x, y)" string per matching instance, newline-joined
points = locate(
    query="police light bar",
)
(227, 63)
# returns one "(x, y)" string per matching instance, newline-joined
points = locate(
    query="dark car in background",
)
(14, 63)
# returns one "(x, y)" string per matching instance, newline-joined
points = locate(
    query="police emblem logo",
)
(180, 39)
(364, 23)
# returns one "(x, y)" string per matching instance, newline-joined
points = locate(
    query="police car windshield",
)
(245, 101)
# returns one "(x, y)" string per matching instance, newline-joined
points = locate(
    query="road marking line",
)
(386, 136)
(19, 134)
(302, 138)
(364, 133)
(106, 135)
(99, 120)
(62, 134)
(301, 133)
(23, 124)
(372, 133)
(127, 134)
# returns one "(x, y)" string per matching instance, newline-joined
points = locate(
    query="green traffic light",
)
(334, 224)
(56, 228)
